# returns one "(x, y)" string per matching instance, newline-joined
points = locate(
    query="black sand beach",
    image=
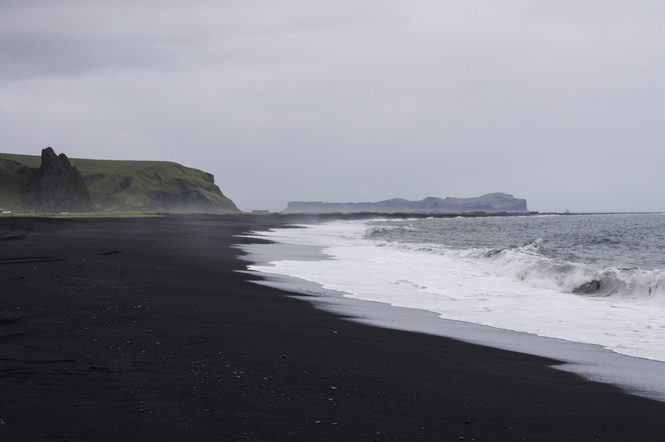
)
(142, 329)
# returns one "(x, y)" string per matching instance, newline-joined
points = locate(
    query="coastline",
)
(635, 375)
(146, 329)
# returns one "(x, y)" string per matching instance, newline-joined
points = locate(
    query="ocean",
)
(591, 279)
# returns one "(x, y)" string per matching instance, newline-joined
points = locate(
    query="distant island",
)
(53, 183)
(492, 202)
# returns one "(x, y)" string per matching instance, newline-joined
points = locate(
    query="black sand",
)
(140, 329)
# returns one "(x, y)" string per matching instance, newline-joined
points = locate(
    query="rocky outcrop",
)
(493, 202)
(59, 186)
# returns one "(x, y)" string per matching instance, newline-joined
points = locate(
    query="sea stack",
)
(59, 186)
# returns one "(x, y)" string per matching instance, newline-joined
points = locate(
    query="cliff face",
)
(59, 187)
(493, 202)
(128, 186)
(58, 184)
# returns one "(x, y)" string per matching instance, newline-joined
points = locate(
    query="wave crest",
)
(529, 263)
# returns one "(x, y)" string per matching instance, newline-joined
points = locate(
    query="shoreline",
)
(639, 376)
(145, 329)
(636, 376)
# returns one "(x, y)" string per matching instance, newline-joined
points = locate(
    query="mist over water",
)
(595, 279)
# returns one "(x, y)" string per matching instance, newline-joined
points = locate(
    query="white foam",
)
(458, 286)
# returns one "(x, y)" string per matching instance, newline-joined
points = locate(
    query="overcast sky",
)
(559, 102)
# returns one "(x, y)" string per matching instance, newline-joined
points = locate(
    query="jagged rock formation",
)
(59, 186)
(113, 186)
(493, 202)
(42, 184)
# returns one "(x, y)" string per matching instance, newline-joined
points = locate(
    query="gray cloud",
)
(556, 102)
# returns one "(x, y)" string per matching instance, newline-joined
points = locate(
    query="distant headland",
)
(492, 202)
(54, 183)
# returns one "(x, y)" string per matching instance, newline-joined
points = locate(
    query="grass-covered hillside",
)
(123, 185)
(15, 179)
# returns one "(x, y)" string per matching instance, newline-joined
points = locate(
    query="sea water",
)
(593, 279)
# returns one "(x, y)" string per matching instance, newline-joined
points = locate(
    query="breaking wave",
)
(538, 263)
(585, 279)
(529, 264)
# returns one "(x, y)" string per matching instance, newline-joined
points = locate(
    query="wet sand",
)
(143, 329)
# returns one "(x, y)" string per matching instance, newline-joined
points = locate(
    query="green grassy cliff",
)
(119, 186)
